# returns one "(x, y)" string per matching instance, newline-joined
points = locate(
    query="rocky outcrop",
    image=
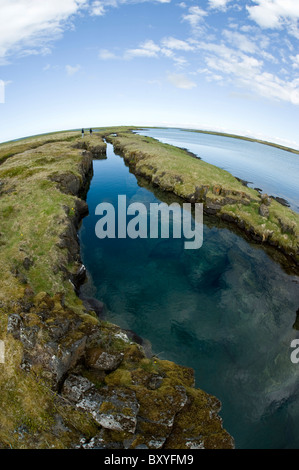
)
(95, 146)
(264, 211)
(131, 400)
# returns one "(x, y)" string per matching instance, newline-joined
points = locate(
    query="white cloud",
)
(178, 44)
(247, 72)
(97, 8)
(181, 81)
(218, 4)
(180, 61)
(30, 24)
(146, 49)
(295, 60)
(70, 70)
(195, 16)
(274, 13)
(104, 54)
(241, 41)
(167, 52)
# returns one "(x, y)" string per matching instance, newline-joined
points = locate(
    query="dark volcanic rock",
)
(244, 182)
(281, 201)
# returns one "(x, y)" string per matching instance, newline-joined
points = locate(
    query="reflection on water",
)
(271, 169)
(226, 310)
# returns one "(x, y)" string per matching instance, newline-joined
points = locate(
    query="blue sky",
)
(227, 65)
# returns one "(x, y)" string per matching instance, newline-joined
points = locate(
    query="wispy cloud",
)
(151, 50)
(219, 4)
(295, 60)
(241, 41)
(31, 25)
(104, 54)
(146, 49)
(248, 72)
(181, 81)
(176, 44)
(195, 16)
(97, 8)
(71, 70)
(100, 7)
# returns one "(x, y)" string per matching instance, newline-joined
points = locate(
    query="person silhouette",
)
(90, 131)
(82, 133)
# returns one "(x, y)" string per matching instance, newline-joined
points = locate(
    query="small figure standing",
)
(82, 133)
(90, 131)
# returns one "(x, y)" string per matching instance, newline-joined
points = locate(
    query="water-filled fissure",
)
(227, 310)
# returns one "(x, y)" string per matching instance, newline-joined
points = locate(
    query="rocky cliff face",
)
(71, 380)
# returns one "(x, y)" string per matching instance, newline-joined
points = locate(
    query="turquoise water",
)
(226, 310)
(271, 169)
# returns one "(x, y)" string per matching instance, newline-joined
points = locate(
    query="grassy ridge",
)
(27, 195)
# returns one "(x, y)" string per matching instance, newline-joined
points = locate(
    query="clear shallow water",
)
(226, 310)
(271, 169)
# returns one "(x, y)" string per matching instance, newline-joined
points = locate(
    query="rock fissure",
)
(82, 382)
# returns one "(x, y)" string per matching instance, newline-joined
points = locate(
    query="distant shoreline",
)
(241, 137)
(233, 136)
(199, 131)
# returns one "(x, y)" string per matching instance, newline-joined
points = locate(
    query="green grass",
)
(30, 212)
